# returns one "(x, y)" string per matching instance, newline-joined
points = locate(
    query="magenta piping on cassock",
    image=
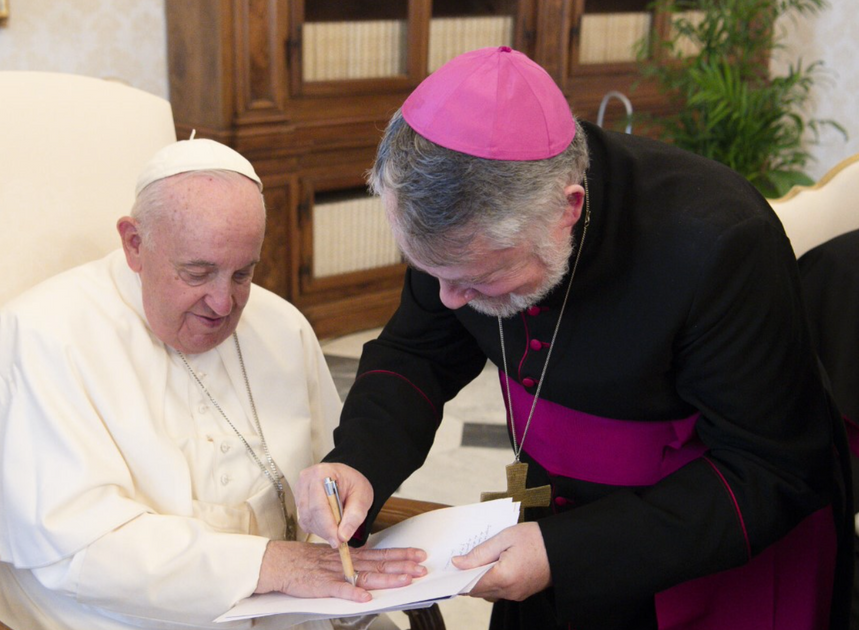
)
(413, 386)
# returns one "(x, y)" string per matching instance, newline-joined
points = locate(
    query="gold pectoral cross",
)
(517, 472)
(289, 525)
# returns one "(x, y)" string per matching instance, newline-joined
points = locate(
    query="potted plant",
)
(714, 68)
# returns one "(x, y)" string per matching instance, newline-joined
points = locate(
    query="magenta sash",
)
(786, 587)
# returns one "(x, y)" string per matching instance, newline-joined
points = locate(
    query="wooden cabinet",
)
(304, 88)
(598, 44)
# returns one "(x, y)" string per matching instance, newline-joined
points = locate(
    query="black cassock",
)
(685, 311)
(830, 284)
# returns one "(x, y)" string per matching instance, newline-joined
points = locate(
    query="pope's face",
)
(196, 272)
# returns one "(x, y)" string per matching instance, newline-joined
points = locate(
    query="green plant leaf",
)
(727, 106)
(780, 182)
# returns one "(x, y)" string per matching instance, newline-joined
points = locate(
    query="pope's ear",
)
(131, 241)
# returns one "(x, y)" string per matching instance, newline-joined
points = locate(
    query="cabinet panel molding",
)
(239, 74)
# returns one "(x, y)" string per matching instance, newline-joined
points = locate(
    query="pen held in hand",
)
(337, 509)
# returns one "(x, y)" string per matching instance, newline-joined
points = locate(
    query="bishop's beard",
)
(555, 257)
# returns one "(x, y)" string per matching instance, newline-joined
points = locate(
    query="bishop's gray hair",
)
(152, 201)
(440, 200)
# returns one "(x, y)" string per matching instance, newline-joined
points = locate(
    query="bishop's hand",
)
(314, 510)
(522, 568)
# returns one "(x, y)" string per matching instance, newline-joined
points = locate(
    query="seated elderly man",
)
(154, 410)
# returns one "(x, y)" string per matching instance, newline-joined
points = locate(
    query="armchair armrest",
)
(396, 510)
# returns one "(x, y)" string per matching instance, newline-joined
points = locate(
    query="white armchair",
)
(70, 152)
(812, 215)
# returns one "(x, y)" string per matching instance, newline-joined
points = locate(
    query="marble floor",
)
(469, 455)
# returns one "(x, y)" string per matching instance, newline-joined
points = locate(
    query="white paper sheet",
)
(443, 534)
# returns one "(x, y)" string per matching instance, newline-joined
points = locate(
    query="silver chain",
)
(517, 449)
(271, 472)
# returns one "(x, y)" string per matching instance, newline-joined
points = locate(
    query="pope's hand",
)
(314, 511)
(522, 569)
(315, 570)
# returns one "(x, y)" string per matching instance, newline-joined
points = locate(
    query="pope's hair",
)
(152, 201)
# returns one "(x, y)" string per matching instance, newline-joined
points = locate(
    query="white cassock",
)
(126, 500)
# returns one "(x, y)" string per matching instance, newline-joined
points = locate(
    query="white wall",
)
(117, 39)
(833, 37)
(126, 40)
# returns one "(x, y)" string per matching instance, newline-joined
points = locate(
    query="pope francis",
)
(154, 410)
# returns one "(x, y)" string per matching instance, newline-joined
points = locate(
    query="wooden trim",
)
(553, 19)
(351, 313)
(398, 509)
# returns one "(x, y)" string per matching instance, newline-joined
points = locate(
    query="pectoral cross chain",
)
(517, 472)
